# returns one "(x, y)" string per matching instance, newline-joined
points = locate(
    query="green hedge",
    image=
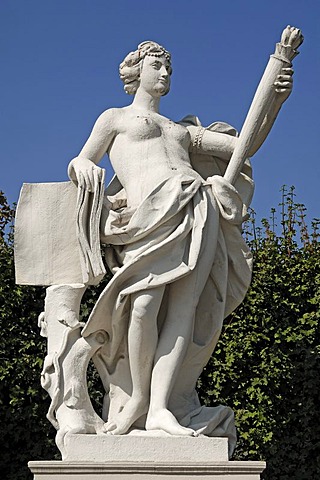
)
(266, 365)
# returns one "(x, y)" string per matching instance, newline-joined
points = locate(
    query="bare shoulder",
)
(109, 119)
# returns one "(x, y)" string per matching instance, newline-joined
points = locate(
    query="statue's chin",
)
(162, 90)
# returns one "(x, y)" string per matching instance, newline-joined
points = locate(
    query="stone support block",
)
(145, 448)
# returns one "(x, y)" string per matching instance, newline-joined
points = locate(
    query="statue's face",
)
(154, 75)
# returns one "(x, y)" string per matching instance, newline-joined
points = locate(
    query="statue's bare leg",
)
(173, 342)
(142, 344)
(174, 339)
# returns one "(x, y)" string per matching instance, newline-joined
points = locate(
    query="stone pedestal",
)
(103, 457)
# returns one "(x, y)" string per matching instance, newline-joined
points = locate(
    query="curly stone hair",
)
(130, 68)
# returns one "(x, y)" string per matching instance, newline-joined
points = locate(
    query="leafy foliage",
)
(266, 365)
(25, 433)
(267, 362)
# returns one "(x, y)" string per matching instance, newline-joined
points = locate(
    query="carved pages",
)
(89, 207)
(57, 235)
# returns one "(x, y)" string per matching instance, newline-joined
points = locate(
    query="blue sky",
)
(60, 71)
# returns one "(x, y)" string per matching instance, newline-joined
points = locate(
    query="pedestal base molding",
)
(63, 470)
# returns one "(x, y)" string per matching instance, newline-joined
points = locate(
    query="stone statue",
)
(170, 223)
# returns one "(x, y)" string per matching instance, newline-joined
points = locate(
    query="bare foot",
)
(121, 423)
(164, 420)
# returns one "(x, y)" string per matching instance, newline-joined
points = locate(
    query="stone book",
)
(57, 237)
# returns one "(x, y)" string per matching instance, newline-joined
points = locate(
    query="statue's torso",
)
(147, 149)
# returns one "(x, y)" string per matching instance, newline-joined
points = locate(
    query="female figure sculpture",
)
(171, 224)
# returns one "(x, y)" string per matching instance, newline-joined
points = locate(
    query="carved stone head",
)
(131, 66)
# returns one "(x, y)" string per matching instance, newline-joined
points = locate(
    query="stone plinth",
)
(145, 448)
(104, 457)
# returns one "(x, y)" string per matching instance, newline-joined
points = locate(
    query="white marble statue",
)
(171, 226)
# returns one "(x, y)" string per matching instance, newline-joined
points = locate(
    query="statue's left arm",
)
(283, 88)
(274, 88)
(222, 145)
